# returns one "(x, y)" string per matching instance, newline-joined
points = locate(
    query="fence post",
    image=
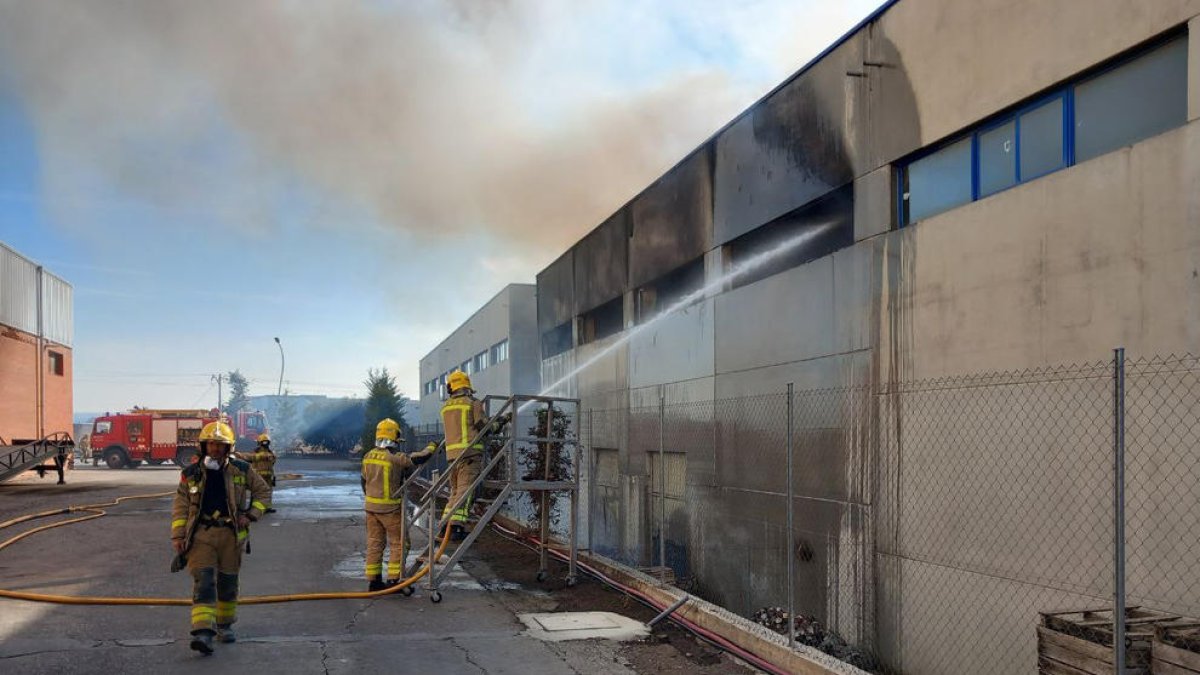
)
(1119, 509)
(662, 484)
(791, 534)
(591, 475)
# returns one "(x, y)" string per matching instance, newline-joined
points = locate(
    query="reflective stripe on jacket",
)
(462, 417)
(383, 476)
(246, 493)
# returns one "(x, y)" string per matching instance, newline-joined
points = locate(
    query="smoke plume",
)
(430, 116)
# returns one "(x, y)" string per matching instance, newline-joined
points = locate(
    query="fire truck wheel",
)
(115, 457)
(133, 464)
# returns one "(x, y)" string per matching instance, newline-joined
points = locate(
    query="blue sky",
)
(204, 194)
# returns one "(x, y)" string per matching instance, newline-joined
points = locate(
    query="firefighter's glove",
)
(178, 562)
(419, 458)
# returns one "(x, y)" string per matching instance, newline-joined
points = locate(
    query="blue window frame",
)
(1039, 137)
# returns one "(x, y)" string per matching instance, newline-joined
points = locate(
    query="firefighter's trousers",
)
(386, 529)
(214, 559)
(461, 476)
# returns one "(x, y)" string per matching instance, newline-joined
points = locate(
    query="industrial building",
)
(951, 188)
(36, 327)
(496, 346)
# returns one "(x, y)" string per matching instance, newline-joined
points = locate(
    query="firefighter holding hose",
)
(384, 469)
(463, 416)
(263, 461)
(217, 499)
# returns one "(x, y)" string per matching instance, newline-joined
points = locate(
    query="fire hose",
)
(97, 511)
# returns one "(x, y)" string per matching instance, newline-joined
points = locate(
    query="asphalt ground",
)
(314, 542)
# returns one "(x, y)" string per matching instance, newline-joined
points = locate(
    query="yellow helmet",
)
(458, 380)
(387, 430)
(264, 438)
(218, 432)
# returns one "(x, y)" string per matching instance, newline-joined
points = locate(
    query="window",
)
(1042, 146)
(668, 290)
(102, 427)
(1137, 100)
(499, 352)
(465, 367)
(998, 158)
(1134, 100)
(480, 361)
(938, 182)
(56, 362)
(807, 233)
(606, 320)
(134, 428)
(556, 340)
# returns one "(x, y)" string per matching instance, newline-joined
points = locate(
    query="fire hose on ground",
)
(97, 511)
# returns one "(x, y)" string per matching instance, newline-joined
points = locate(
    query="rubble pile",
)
(810, 632)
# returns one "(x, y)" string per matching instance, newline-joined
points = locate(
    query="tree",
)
(286, 422)
(238, 384)
(383, 401)
(334, 424)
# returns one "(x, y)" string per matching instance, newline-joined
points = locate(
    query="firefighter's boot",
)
(202, 641)
(376, 584)
(457, 532)
(225, 633)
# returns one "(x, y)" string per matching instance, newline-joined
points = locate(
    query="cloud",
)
(523, 118)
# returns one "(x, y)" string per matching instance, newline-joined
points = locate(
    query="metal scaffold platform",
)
(506, 452)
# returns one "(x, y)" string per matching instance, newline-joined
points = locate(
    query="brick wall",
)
(18, 387)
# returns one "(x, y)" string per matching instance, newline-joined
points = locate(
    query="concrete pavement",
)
(314, 543)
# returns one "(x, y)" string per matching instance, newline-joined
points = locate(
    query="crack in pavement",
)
(358, 613)
(324, 657)
(466, 655)
(49, 651)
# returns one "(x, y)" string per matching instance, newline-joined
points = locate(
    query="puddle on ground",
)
(317, 501)
(352, 566)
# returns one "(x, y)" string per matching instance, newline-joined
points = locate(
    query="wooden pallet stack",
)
(1079, 641)
(1176, 648)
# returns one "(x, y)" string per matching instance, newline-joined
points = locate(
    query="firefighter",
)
(384, 469)
(217, 499)
(463, 417)
(263, 461)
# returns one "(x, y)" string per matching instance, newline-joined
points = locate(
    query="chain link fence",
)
(958, 525)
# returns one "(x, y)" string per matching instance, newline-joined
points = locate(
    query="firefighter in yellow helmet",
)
(463, 416)
(217, 499)
(384, 469)
(263, 461)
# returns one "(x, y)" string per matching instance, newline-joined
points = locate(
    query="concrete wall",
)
(1060, 269)
(509, 315)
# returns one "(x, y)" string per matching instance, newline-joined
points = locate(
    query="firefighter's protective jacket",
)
(246, 493)
(462, 417)
(262, 460)
(383, 475)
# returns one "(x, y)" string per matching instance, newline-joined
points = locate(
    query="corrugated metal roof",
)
(20, 280)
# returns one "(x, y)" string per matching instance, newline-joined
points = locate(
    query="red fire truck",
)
(125, 440)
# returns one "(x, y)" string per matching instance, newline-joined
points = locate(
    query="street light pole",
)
(281, 362)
